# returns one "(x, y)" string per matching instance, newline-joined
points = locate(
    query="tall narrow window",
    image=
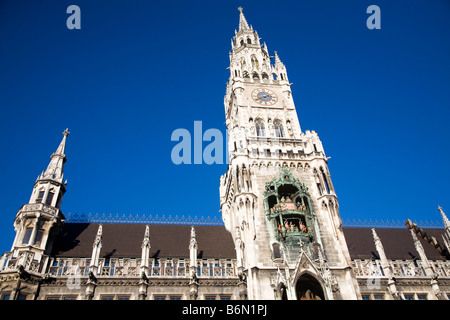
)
(27, 236)
(318, 183)
(325, 180)
(279, 132)
(40, 196)
(249, 41)
(260, 129)
(255, 63)
(49, 199)
(37, 240)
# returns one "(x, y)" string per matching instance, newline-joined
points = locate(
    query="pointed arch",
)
(318, 181)
(325, 180)
(279, 130)
(308, 287)
(254, 61)
(260, 128)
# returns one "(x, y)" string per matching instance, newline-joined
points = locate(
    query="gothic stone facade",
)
(282, 236)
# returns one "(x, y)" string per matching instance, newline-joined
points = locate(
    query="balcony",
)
(130, 267)
(39, 207)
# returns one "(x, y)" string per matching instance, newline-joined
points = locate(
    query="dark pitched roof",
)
(172, 241)
(125, 240)
(397, 243)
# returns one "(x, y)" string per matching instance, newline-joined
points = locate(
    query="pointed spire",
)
(278, 62)
(379, 247)
(146, 241)
(243, 25)
(98, 237)
(444, 217)
(96, 247)
(193, 253)
(145, 254)
(62, 146)
(193, 242)
(55, 169)
(421, 252)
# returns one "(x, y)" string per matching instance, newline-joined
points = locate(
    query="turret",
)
(37, 222)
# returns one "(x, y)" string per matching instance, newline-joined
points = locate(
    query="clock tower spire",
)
(277, 191)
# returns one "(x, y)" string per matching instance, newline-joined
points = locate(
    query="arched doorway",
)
(308, 288)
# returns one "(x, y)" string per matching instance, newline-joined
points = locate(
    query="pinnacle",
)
(243, 25)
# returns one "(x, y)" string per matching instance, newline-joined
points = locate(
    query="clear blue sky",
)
(137, 70)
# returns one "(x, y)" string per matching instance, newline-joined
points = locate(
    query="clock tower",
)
(277, 198)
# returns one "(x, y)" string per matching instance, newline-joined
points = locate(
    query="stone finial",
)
(98, 237)
(444, 217)
(193, 241)
(146, 241)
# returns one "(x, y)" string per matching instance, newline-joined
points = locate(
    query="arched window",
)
(274, 76)
(246, 74)
(279, 131)
(281, 75)
(242, 42)
(255, 75)
(318, 182)
(254, 60)
(265, 76)
(249, 41)
(260, 129)
(325, 180)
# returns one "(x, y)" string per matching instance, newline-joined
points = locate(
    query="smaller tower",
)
(37, 222)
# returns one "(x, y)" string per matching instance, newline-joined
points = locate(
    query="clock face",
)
(264, 97)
